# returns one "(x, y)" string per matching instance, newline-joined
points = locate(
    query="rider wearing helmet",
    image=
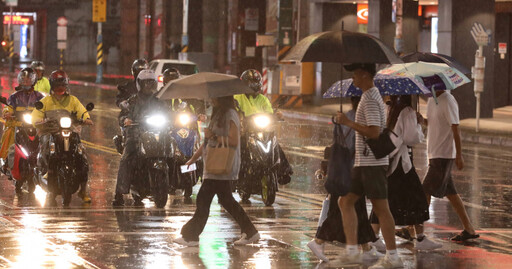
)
(22, 100)
(170, 74)
(127, 90)
(59, 101)
(135, 109)
(256, 103)
(42, 84)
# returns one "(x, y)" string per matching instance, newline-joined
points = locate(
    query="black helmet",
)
(37, 65)
(253, 78)
(27, 78)
(138, 65)
(170, 74)
(147, 82)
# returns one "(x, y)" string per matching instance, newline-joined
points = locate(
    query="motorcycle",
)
(156, 149)
(26, 147)
(66, 160)
(260, 159)
(186, 137)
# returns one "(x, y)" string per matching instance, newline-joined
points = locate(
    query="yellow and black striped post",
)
(61, 59)
(99, 56)
(11, 54)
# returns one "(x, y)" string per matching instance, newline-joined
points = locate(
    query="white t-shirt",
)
(441, 117)
(371, 111)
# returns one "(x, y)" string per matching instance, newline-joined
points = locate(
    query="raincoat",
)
(43, 86)
(18, 102)
(69, 103)
(252, 105)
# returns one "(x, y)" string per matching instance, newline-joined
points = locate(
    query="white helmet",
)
(147, 81)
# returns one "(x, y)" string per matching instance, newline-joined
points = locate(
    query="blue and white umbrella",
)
(387, 84)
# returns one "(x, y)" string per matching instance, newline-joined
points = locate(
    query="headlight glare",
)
(27, 118)
(262, 121)
(156, 121)
(184, 118)
(65, 122)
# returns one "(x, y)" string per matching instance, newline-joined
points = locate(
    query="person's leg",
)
(461, 212)
(387, 223)
(223, 191)
(349, 217)
(194, 227)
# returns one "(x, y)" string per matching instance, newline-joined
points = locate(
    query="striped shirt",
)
(371, 111)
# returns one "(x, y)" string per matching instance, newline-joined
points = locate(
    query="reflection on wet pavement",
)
(34, 235)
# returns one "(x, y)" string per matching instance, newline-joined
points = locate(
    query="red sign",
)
(362, 13)
(62, 21)
(502, 48)
(16, 19)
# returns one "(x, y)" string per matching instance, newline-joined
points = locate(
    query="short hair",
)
(368, 67)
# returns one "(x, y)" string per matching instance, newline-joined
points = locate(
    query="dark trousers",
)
(222, 189)
(129, 164)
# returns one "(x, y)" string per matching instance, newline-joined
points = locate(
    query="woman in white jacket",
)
(406, 198)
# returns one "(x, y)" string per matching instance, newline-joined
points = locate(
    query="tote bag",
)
(340, 165)
(219, 159)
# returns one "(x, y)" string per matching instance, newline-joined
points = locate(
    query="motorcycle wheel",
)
(268, 189)
(159, 188)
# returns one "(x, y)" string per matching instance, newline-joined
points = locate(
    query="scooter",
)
(26, 147)
(67, 165)
(260, 159)
(156, 149)
(186, 137)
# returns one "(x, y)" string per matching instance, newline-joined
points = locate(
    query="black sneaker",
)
(404, 234)
(464, 236)
(118, 200)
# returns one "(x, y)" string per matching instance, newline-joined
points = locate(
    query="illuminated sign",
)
(16, 19)
(362, 13)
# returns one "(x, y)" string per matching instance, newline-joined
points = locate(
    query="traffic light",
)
(4, 45)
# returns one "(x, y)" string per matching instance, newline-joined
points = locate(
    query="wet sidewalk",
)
(493, 131)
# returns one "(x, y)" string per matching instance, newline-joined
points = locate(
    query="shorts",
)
(438, 181)
(370, 181)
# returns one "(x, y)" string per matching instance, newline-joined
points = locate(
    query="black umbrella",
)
(342, 47)
(435, 58)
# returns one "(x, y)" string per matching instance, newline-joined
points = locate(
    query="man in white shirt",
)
(444, 148)
(369, 173)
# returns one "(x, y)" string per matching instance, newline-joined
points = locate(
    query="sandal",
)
(404, 234)
(464, 235)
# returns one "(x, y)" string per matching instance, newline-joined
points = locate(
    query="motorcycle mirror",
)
(38, 105)
(89, 107)
(3, 100)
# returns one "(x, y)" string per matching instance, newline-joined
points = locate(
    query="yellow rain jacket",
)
(43, 86)
(69, 103)
(252, 105)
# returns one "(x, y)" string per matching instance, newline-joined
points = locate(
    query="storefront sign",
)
(362, 13)
(265, 40)
(19, 20)
(285, 23)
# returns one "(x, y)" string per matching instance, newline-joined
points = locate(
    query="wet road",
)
(98, 236)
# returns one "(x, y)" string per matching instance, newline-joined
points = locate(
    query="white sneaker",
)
(372, 254)
(318, 250)
(427, 244)
(379, 245)
(346, 259)
(184, 242)
(388, 263)
(244, 240)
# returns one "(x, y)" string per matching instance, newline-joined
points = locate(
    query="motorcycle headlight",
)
(184, 119)
(156, 121)
(262, 121)
(27, 118)
(65, 122)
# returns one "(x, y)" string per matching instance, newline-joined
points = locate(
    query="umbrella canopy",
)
(204, 85)
(387, 85)
(342, 47)
(451, 77)
(435, 58)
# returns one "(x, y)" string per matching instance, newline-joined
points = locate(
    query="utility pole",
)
(184, 36)
(11, 42)
(99, 15)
